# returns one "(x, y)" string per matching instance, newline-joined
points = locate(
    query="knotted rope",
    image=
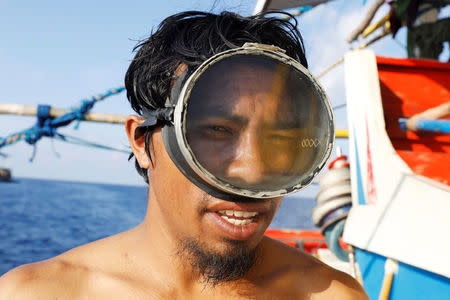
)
(47, 125)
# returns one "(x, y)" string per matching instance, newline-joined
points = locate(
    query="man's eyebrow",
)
(217, 115)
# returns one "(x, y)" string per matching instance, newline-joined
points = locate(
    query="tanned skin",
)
(145, 262)
(142, 263)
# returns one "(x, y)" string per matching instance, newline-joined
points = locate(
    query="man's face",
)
(217, 225)
(242, 126)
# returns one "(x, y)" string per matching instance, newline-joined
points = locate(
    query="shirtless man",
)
(204, 240)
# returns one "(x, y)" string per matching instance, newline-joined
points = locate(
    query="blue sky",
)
(58, 52)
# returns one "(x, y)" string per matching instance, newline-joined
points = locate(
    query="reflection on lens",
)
(256, 123)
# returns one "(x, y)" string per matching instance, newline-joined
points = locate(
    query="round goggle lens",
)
(256, 123)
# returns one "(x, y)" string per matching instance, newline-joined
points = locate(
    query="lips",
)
(238, 221)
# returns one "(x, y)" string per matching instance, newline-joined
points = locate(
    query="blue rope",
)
(47, 126)
(77, 141)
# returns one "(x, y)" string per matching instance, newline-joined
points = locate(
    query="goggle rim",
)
(179, 117)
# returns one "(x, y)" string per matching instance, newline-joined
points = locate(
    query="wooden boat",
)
(400, 179)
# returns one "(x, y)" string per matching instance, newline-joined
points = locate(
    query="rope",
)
(340, 60)
(47, 126)
(77, 141)
(88, 104)
(332, 66)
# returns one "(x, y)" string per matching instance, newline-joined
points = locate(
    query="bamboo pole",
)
(340, 60)
(371, 28)
(31, 110)
(433, 113)
(390, 269)
(366, 21)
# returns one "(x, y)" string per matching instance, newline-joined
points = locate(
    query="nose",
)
(247, 164)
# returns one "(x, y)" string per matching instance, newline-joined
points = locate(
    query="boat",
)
(5, 174)
(400, 179)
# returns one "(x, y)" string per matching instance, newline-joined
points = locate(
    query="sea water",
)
(43, 218)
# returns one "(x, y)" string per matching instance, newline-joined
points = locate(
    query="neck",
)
(157, 246)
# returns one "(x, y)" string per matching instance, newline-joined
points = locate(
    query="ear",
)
(137, 144)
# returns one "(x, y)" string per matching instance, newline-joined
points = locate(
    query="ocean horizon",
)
(41, 218)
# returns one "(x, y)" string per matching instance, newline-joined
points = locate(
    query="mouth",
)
(238, 221)
(237, 217)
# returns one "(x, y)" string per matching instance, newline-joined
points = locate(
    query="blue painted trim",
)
(361, 197)
(409, 282)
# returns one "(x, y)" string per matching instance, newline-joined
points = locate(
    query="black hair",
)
(191, 38)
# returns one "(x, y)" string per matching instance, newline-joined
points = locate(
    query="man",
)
(226, 103)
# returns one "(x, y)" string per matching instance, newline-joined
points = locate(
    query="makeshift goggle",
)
(249, 123)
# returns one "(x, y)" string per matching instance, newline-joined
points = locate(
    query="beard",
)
(214, 267)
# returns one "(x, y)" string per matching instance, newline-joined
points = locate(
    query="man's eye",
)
(218, 131)
(219, 128)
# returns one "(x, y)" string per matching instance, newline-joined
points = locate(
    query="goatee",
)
(215, 268)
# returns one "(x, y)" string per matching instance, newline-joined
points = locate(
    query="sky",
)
(59, 52)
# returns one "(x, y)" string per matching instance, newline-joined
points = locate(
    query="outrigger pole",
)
(49, 119)
(31, 110)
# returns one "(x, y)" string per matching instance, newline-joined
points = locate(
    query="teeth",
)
(246, 222)
(238, 213)
(237, 222)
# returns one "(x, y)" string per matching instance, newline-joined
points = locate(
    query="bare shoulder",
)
(42, 279)
(71, 275)
(304, 276)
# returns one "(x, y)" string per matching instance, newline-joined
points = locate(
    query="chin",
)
(227, 261)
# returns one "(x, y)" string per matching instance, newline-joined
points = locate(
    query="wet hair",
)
(191, 38)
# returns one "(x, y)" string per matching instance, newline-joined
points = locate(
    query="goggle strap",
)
(152, 117)
(164, 114)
